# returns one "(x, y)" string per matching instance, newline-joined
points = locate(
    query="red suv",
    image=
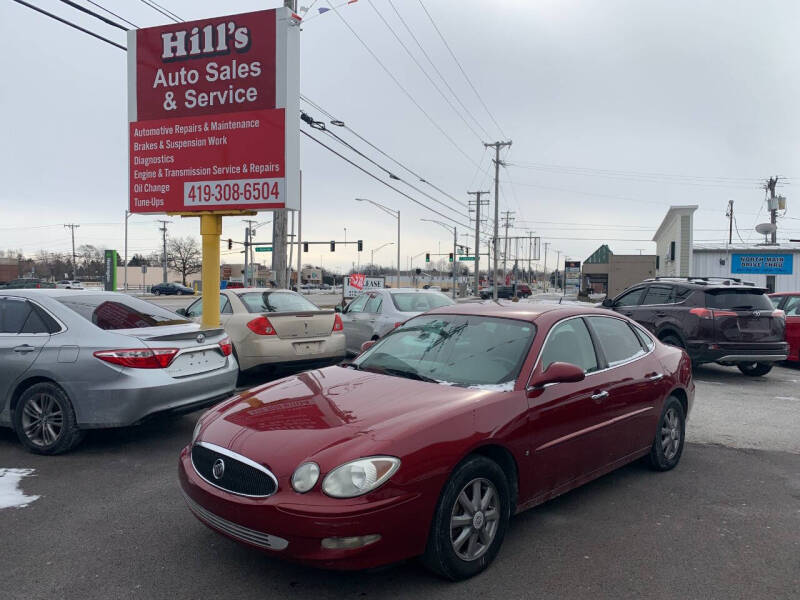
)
(713, 319)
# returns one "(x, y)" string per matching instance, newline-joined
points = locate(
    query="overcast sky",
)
(616, 109)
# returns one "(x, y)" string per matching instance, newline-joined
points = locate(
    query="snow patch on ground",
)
(11, 496)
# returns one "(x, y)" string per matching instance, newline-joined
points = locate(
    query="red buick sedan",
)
(429, 441)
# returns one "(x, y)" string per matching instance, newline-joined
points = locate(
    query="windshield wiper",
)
(408, 374)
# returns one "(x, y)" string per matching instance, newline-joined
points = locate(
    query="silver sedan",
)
(73, 360)
(373, 314)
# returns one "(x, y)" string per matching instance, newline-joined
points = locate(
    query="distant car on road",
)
(435, 436)
(271, 327)
(73, 360)
(171, 289)
(503, 291)
(229, 285)
(714, 319)
(373, 314)
(24, 283)
(66, 284)
(789, 303)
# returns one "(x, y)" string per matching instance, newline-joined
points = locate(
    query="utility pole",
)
(72, 227)
(496, 146)
(163, 230)
(508, 217)
(478, 203)
(546, 279)
(558, 266)
(249, 232)
(773, 211)
(729, 214)
(530, 256)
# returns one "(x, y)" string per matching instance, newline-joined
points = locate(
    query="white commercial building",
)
(674, 240)
(752, 263)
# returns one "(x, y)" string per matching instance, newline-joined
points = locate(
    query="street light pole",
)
(396, 215)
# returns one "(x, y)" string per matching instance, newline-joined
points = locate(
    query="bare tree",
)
(184, 256)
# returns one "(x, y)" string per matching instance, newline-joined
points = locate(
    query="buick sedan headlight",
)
(305, 477)
(359, 476)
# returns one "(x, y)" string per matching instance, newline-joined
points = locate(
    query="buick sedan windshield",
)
(460, 350)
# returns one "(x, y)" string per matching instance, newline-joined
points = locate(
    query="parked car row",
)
(520, 290)
(717, 320)
(27, 283)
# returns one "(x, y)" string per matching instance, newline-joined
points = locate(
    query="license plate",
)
(191, 363)
(758, 325)
(306, 348)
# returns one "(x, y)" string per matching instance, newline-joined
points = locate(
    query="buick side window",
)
(570, 342)
(618, 342)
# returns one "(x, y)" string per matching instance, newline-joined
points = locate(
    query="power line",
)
(400, 85)
(162, 10)
(463, 72)
(70, 24)
(442, 77)
(424, 72)
(362, 169)
(101, 7)
(374, 147)
(389, 173)
(94, 14)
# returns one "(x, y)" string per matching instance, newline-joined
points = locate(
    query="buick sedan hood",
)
(293, 419)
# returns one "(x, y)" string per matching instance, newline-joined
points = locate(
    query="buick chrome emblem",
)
(218, 470)
(200, 338)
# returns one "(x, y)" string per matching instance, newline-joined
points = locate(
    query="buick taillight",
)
(139, 358)
(226, 346)
(261, 326)
(337, 324)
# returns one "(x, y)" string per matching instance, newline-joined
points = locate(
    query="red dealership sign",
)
(213, 110)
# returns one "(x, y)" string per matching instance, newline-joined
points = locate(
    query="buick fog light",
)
(305, 477)
(348, 543)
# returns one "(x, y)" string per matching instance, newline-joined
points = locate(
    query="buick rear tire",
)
(667, 448)
(45, 421)
(470, 520)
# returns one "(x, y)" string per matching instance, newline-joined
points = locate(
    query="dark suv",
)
(714, 320)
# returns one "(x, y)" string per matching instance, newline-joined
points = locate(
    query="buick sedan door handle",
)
(600, 395)
(661, 314)
(24, 349)
(655, 377)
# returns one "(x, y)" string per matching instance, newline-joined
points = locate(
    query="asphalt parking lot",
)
(108, 521)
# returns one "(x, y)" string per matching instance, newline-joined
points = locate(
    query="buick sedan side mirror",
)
(608, 303)
(181, 311)
(559, 372)
(367, 345)
(337, 308)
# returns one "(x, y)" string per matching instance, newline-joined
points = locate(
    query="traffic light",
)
(333, 246)
(427, 257)
(360, 245)
(230, 244)
(305, 246)
(451, 257)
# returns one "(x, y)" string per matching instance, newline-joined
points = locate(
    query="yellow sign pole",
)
(210, 230)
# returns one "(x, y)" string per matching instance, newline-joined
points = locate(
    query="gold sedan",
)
(270, 327)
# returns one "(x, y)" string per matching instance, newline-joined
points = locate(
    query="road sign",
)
(466, 258)
(213, 110)
(263, 248)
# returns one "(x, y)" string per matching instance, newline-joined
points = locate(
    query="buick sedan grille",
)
(232, 472)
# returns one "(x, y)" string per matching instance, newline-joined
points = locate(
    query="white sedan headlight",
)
(305, 477)
(359, 476)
